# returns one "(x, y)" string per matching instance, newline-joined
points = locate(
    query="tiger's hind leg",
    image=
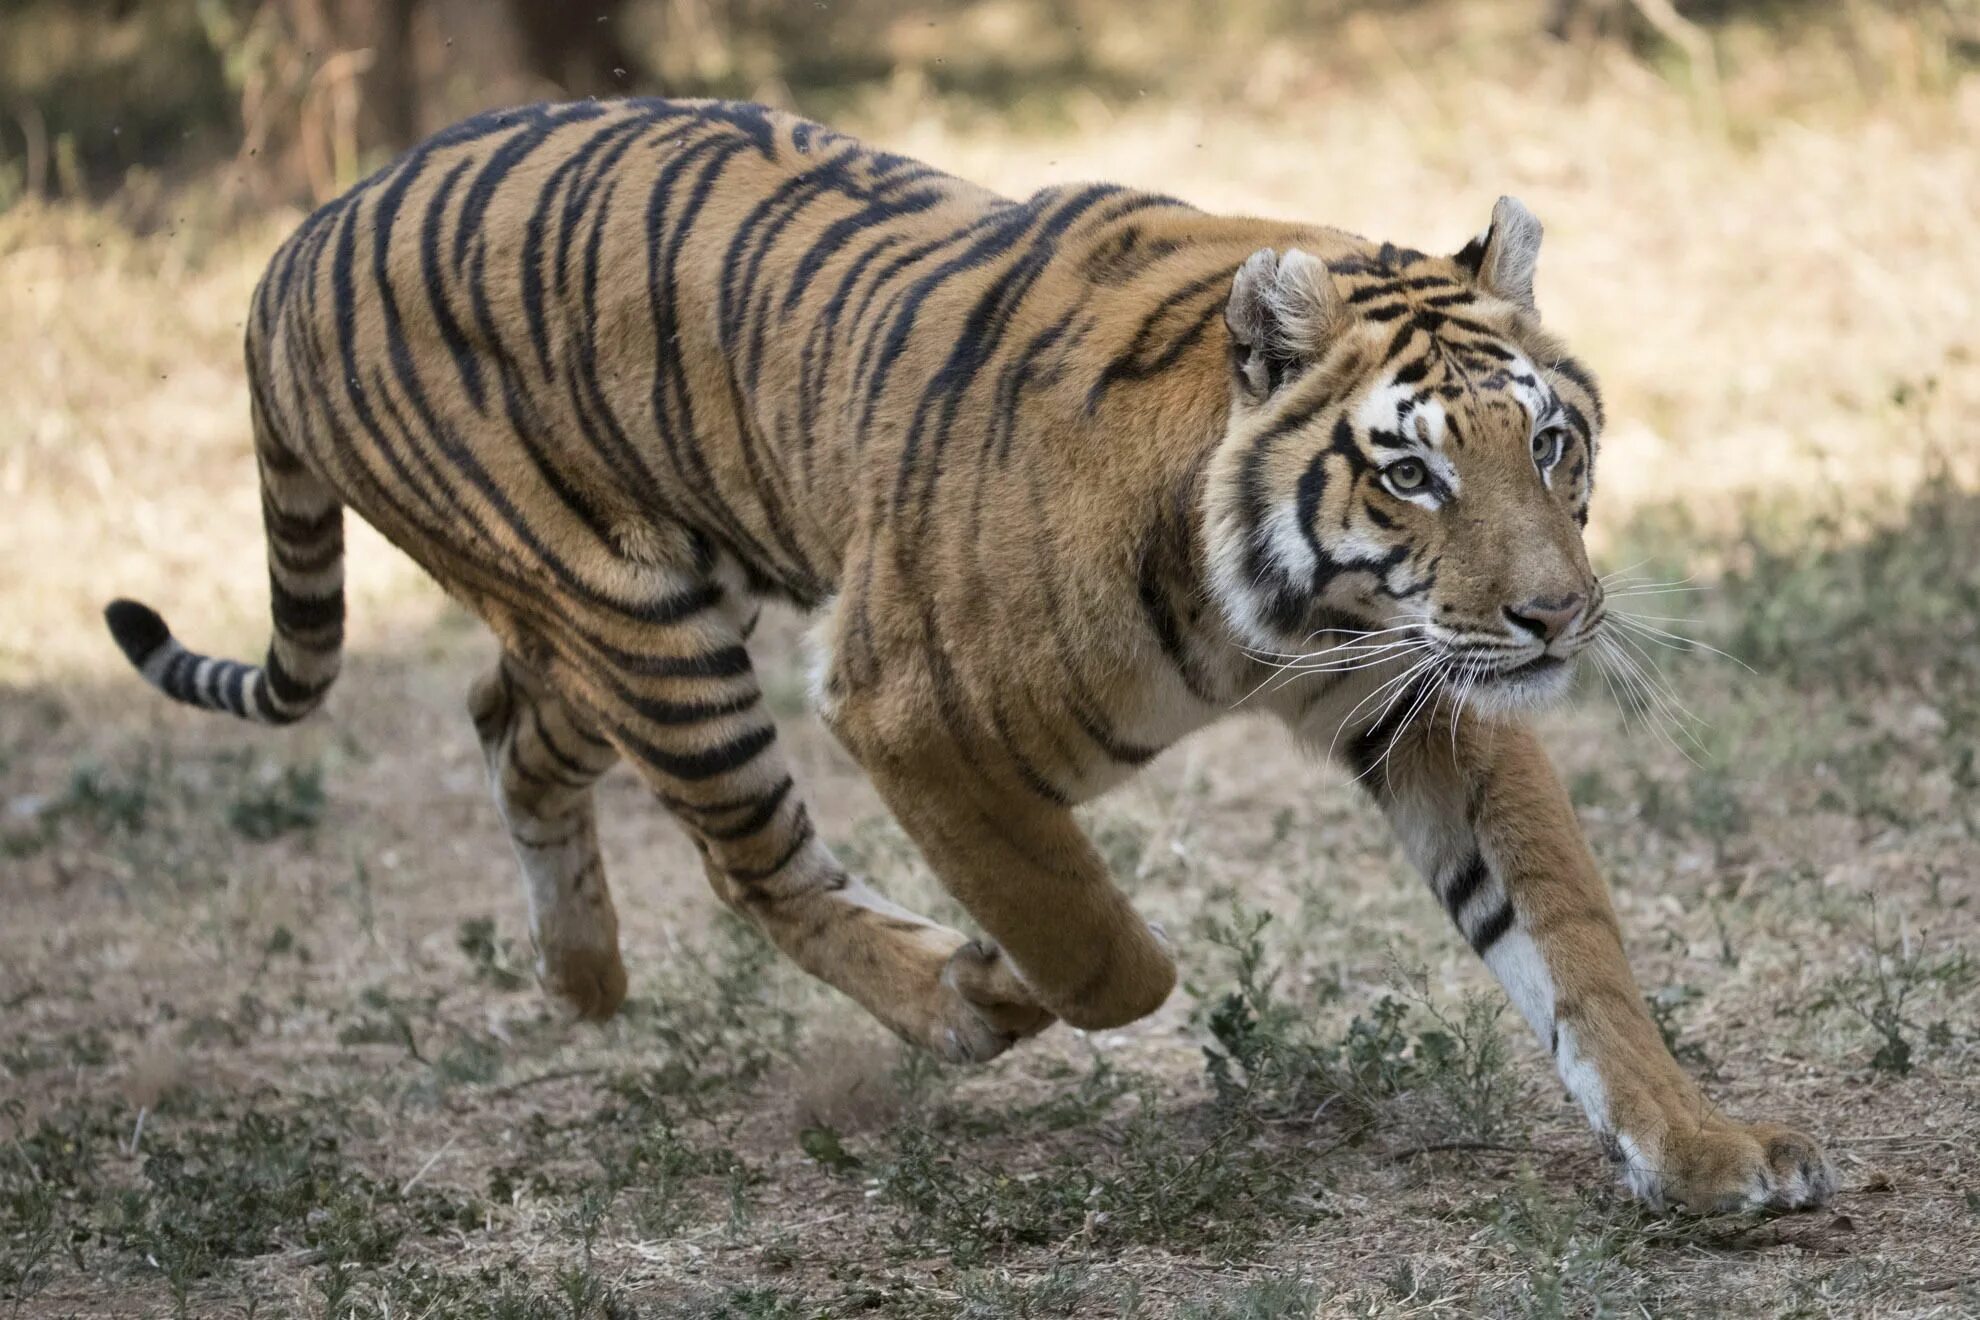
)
(543, 759)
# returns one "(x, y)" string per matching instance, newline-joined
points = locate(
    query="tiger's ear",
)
(1282, 311)
(1502, 258)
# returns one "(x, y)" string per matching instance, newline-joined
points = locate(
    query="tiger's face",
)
(1408, 466)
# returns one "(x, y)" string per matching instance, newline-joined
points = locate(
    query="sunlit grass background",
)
(267, 1039)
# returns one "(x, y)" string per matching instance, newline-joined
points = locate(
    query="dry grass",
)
(259, 1055)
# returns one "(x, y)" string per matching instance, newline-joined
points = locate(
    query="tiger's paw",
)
(1721, 1165)
(986, 1007)
(589, 983)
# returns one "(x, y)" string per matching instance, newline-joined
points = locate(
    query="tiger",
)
(1062, 479)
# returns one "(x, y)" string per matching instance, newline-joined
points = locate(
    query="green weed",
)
(50, 1180)
(1665, 1006)
(111, 802)
(1461, 1060)
(1156, 1179)
(1268, 1059)
(494, 959)
(1563, 1270)
(1275, 1297)
(716, 1023)
(267, 1181)
(997, 1295)
(293, 800)
(1893, 972)
(488, 1294)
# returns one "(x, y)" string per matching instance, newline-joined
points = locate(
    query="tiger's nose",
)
(1546, 618)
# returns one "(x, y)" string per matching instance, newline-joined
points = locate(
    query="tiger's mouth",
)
(1536, 667)
(1523, 687)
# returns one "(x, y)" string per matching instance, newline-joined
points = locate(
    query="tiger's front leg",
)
(1018, 862)
(1486, 820)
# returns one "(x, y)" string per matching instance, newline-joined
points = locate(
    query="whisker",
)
(1608, 679)
(1365, 662)
(1621, 573)
(1667, 590)
(1429, 689)
(1676, 641)
(1394, 686)
(1631, 690)
(1290, 671)
(1289, 675)
(1401, 622)
(1638, 582)
(1645, 714)
(1673, 712)
(1472, 674)
(1355, 634)
(1659, 684)
(1346, 654)
(1357, 639)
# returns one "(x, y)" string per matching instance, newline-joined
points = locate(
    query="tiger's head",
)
(1409, 457)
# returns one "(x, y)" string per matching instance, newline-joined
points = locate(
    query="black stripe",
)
(234, 687)
(1159, 613)
(293, 527)
(295, 613)
(765, 810)
(570, 762)
(1465, 884)
(285, 687)
(299, 561)
(1494, 929)
(544, 842)
(756, 875)
(466, 365)
(721, 759)
(677, 713)
(719, 807)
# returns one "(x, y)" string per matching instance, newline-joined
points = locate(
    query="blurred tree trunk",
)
(575, 45)
(391, 91)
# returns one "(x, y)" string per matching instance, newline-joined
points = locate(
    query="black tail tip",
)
(137, 629)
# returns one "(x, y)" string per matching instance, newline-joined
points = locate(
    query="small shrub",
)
(1574, 1257)
(1267, 1059)
(1891, 976)
(493, 958)
(1463, 1062)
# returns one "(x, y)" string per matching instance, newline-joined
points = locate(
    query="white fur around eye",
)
(1548, 446)
(1429, 495)
(1403, 408)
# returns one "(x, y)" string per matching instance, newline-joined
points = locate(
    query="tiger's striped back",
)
(581, 353)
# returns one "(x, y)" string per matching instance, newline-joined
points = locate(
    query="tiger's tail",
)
(304, 522)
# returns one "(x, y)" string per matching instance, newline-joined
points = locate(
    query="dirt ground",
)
(268, 1041)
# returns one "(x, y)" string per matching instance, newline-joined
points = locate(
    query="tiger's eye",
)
(1546, 446)
(1409, 474)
